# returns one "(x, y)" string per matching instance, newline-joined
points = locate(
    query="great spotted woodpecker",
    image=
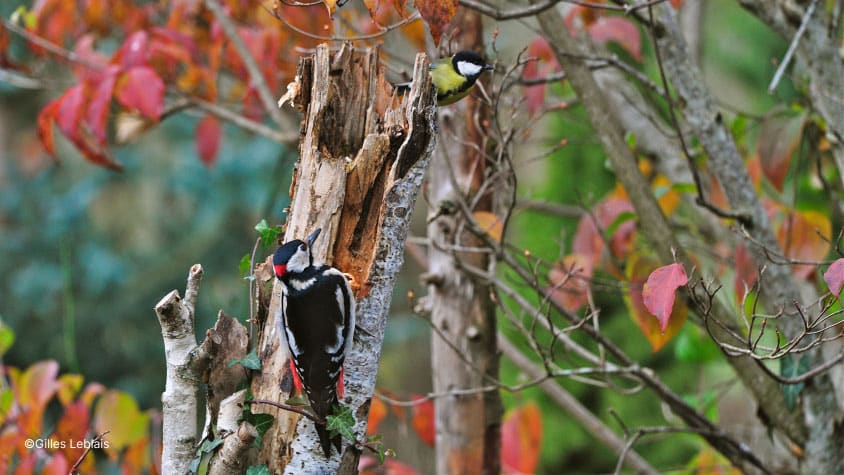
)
(318, 318)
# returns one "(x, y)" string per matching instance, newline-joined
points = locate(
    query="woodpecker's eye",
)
(303, 247)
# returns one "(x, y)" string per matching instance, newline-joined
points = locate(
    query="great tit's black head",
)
(469, 64)
(294, 256)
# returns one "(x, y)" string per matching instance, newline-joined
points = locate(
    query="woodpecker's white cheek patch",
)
(468, 69)
(299, 261)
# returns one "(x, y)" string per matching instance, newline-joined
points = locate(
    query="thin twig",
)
(74, 470)
(792, 47)
(257, 79)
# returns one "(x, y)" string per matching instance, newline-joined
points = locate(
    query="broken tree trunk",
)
(464, 354)
(363, 154)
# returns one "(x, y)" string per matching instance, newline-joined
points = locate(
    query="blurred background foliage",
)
(85, 253)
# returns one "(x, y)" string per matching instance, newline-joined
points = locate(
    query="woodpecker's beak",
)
(313, 237)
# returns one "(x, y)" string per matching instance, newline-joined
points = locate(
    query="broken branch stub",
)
(363, 153)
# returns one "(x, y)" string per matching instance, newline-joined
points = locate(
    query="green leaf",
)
(618, 221)
(262, 423)
(245, 264)
(7, 338)
(268, 234)
(250, 361)
(693, 345)
(790, 367)
(258, 470)
(684, 188)
(341, 422)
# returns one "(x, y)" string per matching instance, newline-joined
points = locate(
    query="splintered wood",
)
(358, 141)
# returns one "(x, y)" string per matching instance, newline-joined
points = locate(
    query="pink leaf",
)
(208, 134)
(71, 106)
(659, 291)
(97, 114)
(620, 30)
(142, 89)
(834, 276)
(133, 52)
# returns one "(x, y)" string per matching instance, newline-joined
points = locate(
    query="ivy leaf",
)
(245, 264)
(258, 470)
(341, 422)
(268, 234)
(250, 361)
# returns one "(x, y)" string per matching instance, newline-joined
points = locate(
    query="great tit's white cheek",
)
(465, 68)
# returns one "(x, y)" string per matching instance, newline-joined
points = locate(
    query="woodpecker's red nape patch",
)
(280, 269)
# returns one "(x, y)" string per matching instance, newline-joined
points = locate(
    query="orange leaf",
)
(437, 14)
(377, 413)
(208, 135)
(638, 269)
(804, 236)
(569, 281)
(72, 426)
(834, 276)
(781, 133)
(660, 290)
(140, 88)
(46, 119)
(118, 413)
(423, 421)
(746, 273)
(521, 439)
(69, 386)
(490, 224)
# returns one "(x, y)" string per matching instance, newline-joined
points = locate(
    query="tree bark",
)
(463, 343)
(362, 157)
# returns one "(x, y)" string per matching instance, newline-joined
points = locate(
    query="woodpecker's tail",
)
(323, 405)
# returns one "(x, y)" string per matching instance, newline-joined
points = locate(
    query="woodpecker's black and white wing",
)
(319, 322)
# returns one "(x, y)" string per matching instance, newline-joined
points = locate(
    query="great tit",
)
(454, 77)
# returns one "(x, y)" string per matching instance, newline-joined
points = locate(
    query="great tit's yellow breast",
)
(451, 86)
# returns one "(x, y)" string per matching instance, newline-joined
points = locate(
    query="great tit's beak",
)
(489, 67)
(313, 237)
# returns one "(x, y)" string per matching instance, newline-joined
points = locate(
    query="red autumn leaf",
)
(134, 51)
(46, 119)
(588, 240)
(638, 269)
(37, 384)
(377, 413)
(620, 30)
(27, 464)
(97, 114)
(208, 135)
(746, 274)
(834, 276)
(521, 439)
(569, 281)
(660, 290)
(781, 132)
(71, 108)
(56, 466)
(804, 236)
(73, 425)
(141, 89)
(369, 465)
(545, 64)
(437, 14)
(423, 420)
(84, 50)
